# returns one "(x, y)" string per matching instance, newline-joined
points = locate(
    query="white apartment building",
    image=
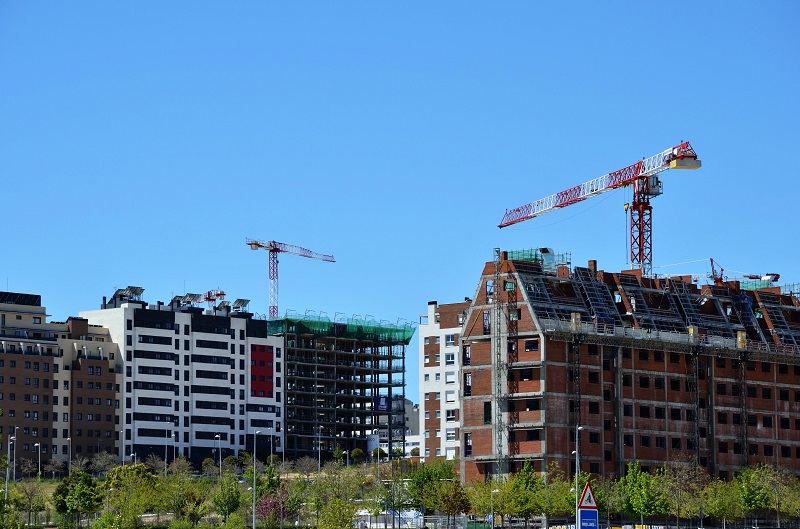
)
(440, 388)
(196, 381)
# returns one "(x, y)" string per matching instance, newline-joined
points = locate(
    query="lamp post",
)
(39, 450)
(255, 460)
(269, 432)
(346, 458)
(219, 449)
(578, 429)
(69, 456)
(174, 446)
(108, 495)
(8, 469)
(491, 503)
(319, 450)
(166, 446)
(15, 453)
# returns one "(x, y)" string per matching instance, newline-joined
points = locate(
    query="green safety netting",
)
(354, 328)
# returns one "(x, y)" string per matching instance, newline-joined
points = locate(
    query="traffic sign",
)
(587, 499)
(587, 510)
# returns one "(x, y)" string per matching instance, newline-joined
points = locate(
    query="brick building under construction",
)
(650, 369)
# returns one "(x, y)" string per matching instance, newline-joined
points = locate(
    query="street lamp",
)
(107, 496)
(166, 446)
(255, 460)
(7, 469)
(319, 450)
(577, 453)
(69, 457)
(491, 502)
(346, 458)
(174, 446)
(15, 453)
(219, 449)
(39, 450)
(269, 432)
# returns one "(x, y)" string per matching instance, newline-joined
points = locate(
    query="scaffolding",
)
(344, 381)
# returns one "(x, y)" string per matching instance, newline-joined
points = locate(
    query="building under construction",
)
(344, 381)
(633, 368)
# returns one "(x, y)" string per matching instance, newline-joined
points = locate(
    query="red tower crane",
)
(274, 248)
(642, 175)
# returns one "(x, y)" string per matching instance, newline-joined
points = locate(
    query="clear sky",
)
(141, 142)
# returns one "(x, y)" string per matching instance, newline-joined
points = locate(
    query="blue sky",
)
(142, 142)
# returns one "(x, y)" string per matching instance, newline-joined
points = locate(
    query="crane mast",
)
(274, 248)
(642, 175)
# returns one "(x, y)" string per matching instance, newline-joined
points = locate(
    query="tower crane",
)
(642, 175)
(274, 248)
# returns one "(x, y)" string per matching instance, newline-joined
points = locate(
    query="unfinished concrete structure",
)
(650, 369)
(343, 381)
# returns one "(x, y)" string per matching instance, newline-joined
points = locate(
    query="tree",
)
(227, 497)
(415, 452)
(610, 496)
(682, 482)
(357, 455)
(645, 496)
(28, 496)
(525, 493)
(305, 466)
(379, 454)
(209, 467)
(555, 496)
(102, 462)
(76, 494)
(424, 486)
(80, 463)
(28, 466)
(231, 464)
(54, 466)
(276, 506)
(154, 464)
(185, 497)
(132, 492)
(721, 499)
(454, 500)
(753, 490)
(338, 453)
(180, 466)
(337, 514)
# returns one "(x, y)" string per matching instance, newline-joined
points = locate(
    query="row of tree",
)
(331, 498)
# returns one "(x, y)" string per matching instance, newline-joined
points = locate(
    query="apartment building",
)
(59, 384)
(440, 387)
(199, 382)
(633, 368)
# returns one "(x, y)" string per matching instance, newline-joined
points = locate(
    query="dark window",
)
(765, 368)
(721, 362)
(674, 384)
(783, 394)
(660, 412)
(658, 356)
(722, 417)
(786, 451)
(626, 380)
(487, 413)
(594, 438)
(766, 421)
(658, 382)
(644, 382)
(736, 390)
(607, 394)
(661, 442)
(752, 419)
(675, 414)
(627, 410)
(594, 377)
(674, 358)
(737, 418)
(752, 391)
(676, 443)
(607, 425)
(722, 389)
(783, 369)
(628, 439)
(644, 354)
(594, 407)
(784, 423)
(766, 393)
(645, 441)
(753, 449)
(644, 412)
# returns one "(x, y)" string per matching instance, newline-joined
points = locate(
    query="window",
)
(767, 422)
(722, 389)
(627, 410)
(487, 413)
(660, 413)
(766, 393)
(594, 407)
(644, 412)
(594, 377)
(449, 359)
(531, 345)
(450, 415)
(450, 396)
(722, 417)
(723, 447)
(427, 377)
(644, 382)
(661, 442)
(449, 339)
(450, 434)
(628, 440)
(438, 414)
(438, 377)
(427, 340)
(658, 382)
(674, 384)
(626, 380)
(676, 443)
(427, 396)
(645, 441)
(675, 414)
(450, 377)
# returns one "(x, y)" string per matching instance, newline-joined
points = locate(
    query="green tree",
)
(415, 452)
(682, 483)
(753, 490)
(180, 466)
(357, 455)
(337, 514)
(610, 496)
(28, 496)
(721, 500)
(76, 494)
(227, 496)
(338, 452)
(133, 491)
(425, 484)
(555, 496)
(644, 493)
(525, 493)
(453, 499)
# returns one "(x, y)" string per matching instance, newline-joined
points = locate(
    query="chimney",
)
(593, 265)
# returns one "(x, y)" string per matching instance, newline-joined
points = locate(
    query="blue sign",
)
(587, 519)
